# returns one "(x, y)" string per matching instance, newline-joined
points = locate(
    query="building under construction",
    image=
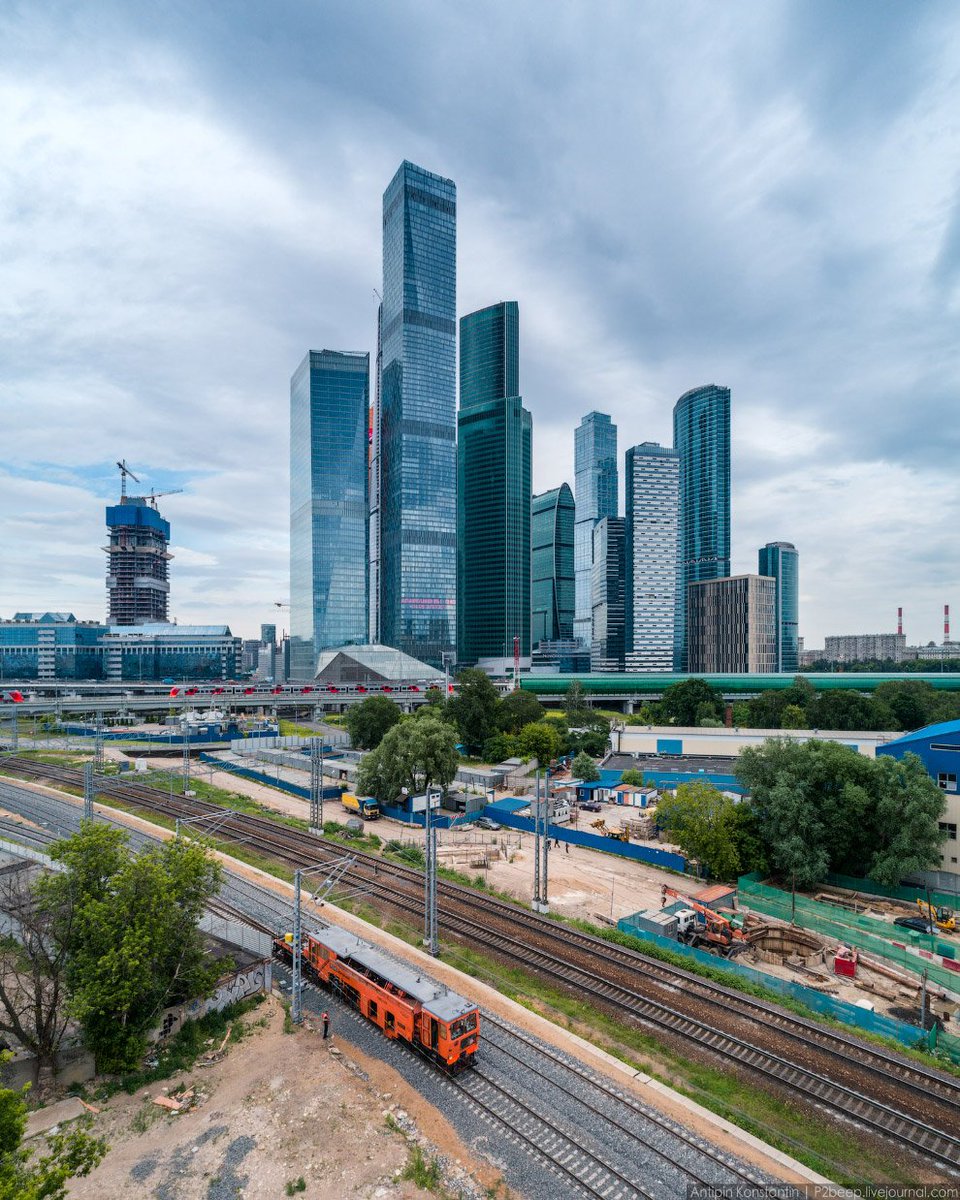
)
(137, 584)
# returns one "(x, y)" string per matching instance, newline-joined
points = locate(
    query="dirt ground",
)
(277, 1107)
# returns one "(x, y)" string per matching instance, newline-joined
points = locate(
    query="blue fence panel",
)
(593, 841)
(330, 791)
(830, 1006)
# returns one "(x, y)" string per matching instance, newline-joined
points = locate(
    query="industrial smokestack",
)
(899, 622)
(946, 622)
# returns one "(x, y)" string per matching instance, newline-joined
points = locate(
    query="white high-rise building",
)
(652, 487)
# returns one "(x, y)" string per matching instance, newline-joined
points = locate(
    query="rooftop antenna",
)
(124, 472)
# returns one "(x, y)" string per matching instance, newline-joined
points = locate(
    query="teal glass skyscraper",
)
(329, 398)
(701, 437)
(551, 539)
(781, 562)
(415, 441)
(595, 489)
(494, 489)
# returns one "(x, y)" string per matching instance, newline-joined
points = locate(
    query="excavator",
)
(619, 835)
(707, 926)
(942, 917)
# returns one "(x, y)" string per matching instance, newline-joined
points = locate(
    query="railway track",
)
(561, 954)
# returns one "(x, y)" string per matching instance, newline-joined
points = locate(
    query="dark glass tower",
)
(781, 562)
(416, 441)
(595, 467)
(552, 566)
(701, 436)
(494, 489)
(329, 397)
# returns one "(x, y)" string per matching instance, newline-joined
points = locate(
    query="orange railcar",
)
(440, 1024)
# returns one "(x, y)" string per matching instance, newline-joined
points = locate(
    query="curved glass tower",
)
(417, 433)
(781, 562)
(329, 397)
(701, 437)
(552, 558)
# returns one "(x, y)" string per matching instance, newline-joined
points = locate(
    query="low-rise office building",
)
(55, 645)
(731, 625)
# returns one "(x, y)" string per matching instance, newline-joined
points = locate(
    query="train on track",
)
(311, 689)
(438, 1023)
(13, 697)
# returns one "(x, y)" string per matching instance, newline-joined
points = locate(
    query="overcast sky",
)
(762, 195)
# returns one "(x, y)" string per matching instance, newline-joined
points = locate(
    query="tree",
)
(369, 720)
(632, 777)
(681, 702)
(793, 717)
(414, 755)
(741, 714)
(701, 821)
(575, 703)
(913, 702)
(474, 708)
(821, 807)
(35, 1174)
(909, 810)
(33, 971)
(501, 747)
(585, 769)
(133, 946)
(517, 709)
(541, 741)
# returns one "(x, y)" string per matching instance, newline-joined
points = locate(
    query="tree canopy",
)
(369, 720)
(540, 740)
(415, 755)
(41, 1172)
(584, 768)
(702, 821)
(517, 709)
(133, 946)
(689, 702)
(822, 807)
(474, 708)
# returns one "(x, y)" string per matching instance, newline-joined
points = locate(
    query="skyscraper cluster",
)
(412, 518)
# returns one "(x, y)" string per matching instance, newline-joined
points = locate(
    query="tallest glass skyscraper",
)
(416, 437)
(701, 437)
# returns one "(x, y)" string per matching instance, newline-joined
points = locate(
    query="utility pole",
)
(541, 847)
(98, 744)
(16, 731)
(339, 870)
(536, 846)
(88, 791)
(185, 734)
(316, 786)
(430, 934)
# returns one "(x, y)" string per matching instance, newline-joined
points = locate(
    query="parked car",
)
(486, 823)
(591, 806)
(917, 923)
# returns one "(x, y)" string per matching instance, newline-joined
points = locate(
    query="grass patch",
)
(293, 729)
(296, 1185)
(423, 1172)
(191, 1040)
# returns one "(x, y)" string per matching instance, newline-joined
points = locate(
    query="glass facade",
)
(607, 651)
(494, 481)
(781, 562)
(552, 566)
(416, 439)
(595, 488)
(701, 436)
(652, 488)
(329, 399)
(57, 646)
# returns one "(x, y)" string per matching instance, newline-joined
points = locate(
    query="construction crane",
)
(155, 496)
(716, 930)
(124, 472)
